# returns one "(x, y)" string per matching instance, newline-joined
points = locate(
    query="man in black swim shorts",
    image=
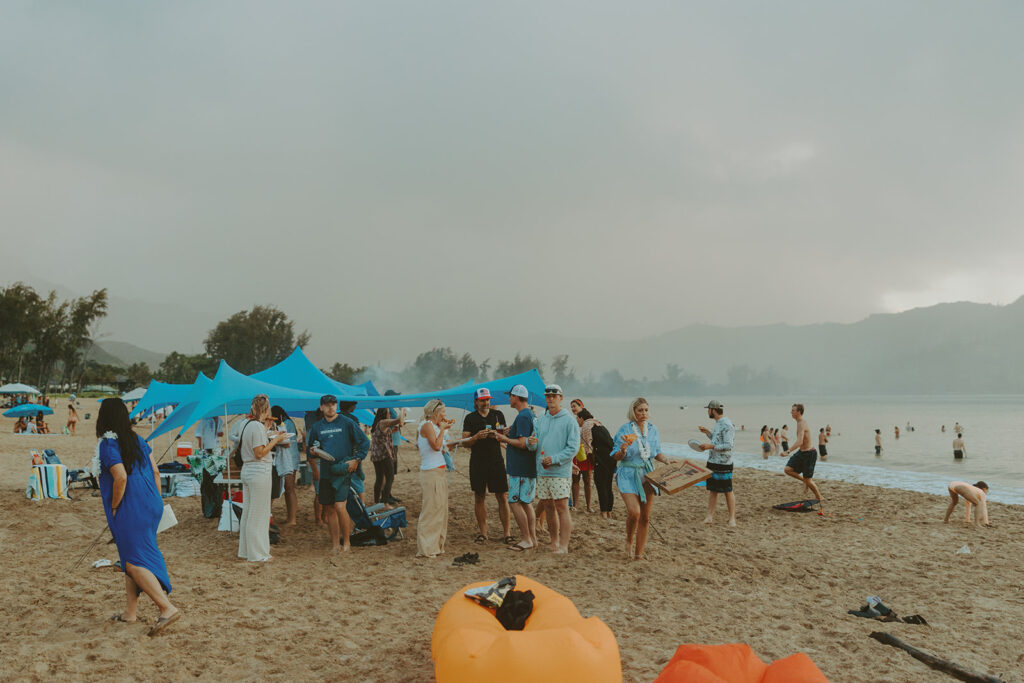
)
(801, 465)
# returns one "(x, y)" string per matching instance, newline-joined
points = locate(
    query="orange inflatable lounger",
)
(736, 663)
(557, 644)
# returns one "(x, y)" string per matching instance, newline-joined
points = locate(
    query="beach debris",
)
(103, 562)
(937, 663)
(965, 550)
(874, 609)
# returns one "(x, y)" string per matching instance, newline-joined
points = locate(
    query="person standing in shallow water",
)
(130, 491)
(878, 442)
(958, 447)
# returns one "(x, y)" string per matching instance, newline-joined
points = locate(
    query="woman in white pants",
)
(432, 528)
(258, 461)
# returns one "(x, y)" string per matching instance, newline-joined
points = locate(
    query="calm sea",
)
(920, 460)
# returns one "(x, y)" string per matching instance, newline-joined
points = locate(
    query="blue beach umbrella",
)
(28, 410)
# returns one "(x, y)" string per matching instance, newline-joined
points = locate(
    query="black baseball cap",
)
(328, 399)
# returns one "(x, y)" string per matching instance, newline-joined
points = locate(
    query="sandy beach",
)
(781, 582)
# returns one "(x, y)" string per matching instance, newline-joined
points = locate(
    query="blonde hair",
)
(631, 413)
(260, 405)
(431, 408)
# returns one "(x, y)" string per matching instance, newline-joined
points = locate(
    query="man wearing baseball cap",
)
(342, 439)
(720, 460)
(486, 468)
(556, 441)
(521, 466)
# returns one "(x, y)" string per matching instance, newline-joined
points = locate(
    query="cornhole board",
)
(677, 476)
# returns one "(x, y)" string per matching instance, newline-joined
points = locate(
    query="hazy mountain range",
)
(947, 348)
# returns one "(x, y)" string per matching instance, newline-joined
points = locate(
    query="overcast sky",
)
(603, 169)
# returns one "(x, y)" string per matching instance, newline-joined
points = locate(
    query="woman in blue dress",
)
(637, 446)
(130, 489)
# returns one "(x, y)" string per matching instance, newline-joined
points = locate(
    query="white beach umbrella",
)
(18, 389)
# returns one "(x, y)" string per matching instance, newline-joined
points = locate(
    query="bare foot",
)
(732, 522)
(708, 520)
(292, 524)
(561, 551)
(346, 548)
(553, 547)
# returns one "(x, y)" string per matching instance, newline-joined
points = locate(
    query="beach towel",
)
(47, 481)
(797, 506)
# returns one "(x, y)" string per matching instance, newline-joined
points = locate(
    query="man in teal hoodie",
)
(556, 441)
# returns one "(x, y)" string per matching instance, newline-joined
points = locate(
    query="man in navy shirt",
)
(346, 443)
(521, 465)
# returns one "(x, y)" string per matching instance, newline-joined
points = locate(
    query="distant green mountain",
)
(947, 348)
(124, 354)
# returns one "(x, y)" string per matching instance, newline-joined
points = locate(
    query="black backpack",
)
(602, 441)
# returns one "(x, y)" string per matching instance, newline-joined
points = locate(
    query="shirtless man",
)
(972, 495)
(878, 442)
(958, 447)
(822, 443)
(801, 465)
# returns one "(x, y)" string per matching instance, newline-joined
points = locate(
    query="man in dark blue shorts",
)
(341, 438)
(801, 465)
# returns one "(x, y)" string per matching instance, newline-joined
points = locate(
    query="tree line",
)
(44, 342)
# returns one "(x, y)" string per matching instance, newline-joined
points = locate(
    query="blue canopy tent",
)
(460, 396)
(230, 393)
(160, 394)
(185, 405)
(28, 410)
(298, 372)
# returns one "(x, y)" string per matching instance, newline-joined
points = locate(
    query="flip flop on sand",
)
(480, 538)
(118, 618)
(162, 623)
(508, 540)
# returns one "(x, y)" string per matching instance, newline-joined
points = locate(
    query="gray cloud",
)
(450, 167)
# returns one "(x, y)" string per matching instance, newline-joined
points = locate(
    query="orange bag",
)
(557, 644)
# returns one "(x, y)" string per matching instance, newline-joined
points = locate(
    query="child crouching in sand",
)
(972, 495)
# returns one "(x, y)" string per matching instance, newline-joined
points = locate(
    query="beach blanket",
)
(47, 481)
(797, 506)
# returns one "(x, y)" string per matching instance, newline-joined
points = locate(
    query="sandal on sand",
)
(518, 548)
(508, 540)
(162, 623)
(118, 618)
(480, 538)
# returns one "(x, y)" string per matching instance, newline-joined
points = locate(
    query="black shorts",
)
(487, 473)
(823, 451)
(785, 445)
(878, 450)
(803, 462)
(958, 454)
(721, 478)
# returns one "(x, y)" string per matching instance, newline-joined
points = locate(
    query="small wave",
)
(923, 482)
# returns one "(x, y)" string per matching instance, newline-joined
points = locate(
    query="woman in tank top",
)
(432, 528)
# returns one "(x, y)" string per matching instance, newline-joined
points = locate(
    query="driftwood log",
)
(951, 668)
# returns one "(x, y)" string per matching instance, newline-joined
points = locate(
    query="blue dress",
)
(134, 527)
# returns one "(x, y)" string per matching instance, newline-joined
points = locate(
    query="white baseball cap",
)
(553, 389)
(520, 391)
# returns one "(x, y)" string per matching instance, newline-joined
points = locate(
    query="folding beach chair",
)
(390, 522)
(84, 478)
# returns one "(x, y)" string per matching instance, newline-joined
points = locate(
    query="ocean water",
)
(920, 460)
